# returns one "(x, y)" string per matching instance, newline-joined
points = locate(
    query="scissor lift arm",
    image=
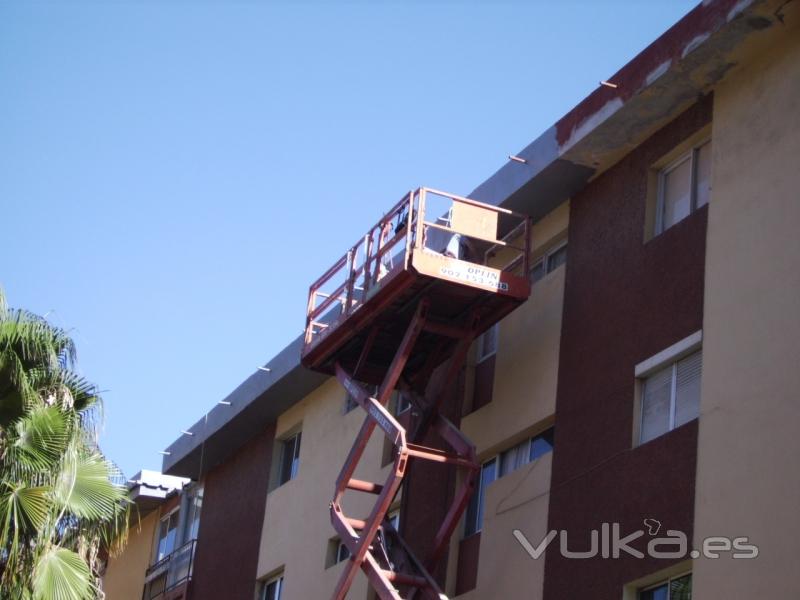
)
(394, 325)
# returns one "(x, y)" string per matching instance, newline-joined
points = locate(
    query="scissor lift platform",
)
(467, 258)
(428, 278)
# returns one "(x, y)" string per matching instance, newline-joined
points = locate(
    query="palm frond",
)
(85, 488)
(61, 501)
(61, 574)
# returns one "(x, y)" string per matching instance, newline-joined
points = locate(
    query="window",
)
(272, 589)
(549, 262)
(670, 397)
(394, 521)
(677, 588)
(194, 506)
(167, 535)
(487, 475)
(542, 444)
(350, 402)
(402, 404)
(290, 458)
(487, 343)
(342, 553)
(684, 186)
(495, 468)
(514, 458)
(525, 452)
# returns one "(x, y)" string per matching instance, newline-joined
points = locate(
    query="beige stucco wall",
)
(523, 403)
(517, 501)
(749, 436)
(124, 576)
(526, 368)
(297, 523)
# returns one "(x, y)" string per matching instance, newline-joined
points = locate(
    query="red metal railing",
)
(424, 220)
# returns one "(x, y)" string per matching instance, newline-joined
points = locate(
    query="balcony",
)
(169, 578)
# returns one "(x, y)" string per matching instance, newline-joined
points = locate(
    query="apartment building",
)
(157, 559)
(647, 384)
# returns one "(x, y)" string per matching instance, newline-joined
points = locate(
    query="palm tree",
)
(61, 500)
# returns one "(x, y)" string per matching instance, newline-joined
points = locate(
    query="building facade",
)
(645, 392)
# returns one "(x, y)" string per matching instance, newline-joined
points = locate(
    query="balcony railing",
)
(169, 573)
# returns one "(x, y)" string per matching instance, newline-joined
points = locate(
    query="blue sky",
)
(174, 174)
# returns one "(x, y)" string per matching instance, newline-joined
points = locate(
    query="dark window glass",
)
(349, 403)
(681, 588)
(657, 593)
(556, 259)
(290, 458)
(548, 263)
(272, 589)
(538, 271)
(542, 444)
(167, 535)
(342, 553)
(403, 403)
(474, 520)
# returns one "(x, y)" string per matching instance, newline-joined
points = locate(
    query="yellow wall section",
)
(297, 523)
(517, 501)
(124, 577)
(523, 402)
(526, 368)
(747, 483)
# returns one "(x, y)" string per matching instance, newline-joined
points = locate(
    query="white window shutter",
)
(656, 396)
(687, 396)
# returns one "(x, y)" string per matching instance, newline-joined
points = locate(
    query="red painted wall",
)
(625, 300)
(483, 383)
(467, 568)
(234, 499)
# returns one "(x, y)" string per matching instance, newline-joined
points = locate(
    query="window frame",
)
(668, 581)
(350, 403)
(494, 330)
(691, 155)
(294, 466)
(175, 513)
(266, 583)
(544, 260)
(192, 513)
(402, 403)
(468, 530)
(342, 552)
(672, 364)
(394, 519)
(498, 459)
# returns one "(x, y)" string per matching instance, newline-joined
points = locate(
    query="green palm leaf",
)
(85, 488)
(61, 574)
(59, 503)
(42, 437)
(23, 512)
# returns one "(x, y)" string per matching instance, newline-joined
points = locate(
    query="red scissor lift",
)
(413, 293)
